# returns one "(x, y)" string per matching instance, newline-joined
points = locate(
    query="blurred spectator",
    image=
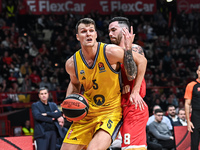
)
(27, 129)
(23, 51)
(54, 83)
(5, 71)
(29, 42)
(46, 83)
(22, 17)
(25, 69)
(181, 118)
(35, 78)
(184, 40)
(193, 41)
(26, 58)
(165, 119)
(16, 59)
(41, 22)
(171, 111)
(38, 60)
(43, 50)
(62, 75)
(33, 51)
(175, 42)
(16, 72)
(6, 42)
(26, 84)
(59, 141)
(163, 102)
(161, 132)
(11, 79)
(6, 58)
(12, 97)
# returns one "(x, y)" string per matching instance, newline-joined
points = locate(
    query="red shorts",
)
(133, 130)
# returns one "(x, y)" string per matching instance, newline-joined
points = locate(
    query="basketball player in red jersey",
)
(135, 118)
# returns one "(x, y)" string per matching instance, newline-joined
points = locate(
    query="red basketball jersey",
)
(127, 87)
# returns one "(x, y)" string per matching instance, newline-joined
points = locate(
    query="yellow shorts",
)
(82, 132)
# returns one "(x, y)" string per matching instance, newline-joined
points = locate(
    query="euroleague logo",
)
(183, 5)
(101, 67)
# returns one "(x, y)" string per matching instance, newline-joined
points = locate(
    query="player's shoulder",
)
(138, 49)
(112, 48)
(69, 65)
(136, 45)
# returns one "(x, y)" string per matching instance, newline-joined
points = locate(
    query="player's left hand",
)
(136, 99)
(128, 38)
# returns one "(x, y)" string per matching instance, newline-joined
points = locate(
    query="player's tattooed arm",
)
(129, 65)
(138, 49)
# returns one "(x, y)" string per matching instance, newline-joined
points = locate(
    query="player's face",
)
(87, 34)
(43, 95)
(115, 33)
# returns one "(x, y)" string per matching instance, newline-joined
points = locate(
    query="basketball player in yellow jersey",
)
(96, 67)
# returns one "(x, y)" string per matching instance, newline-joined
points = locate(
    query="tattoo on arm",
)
(138, 49)
(129, 65)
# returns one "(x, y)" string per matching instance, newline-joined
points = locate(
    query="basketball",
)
(75, 107)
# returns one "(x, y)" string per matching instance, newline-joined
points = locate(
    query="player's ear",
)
(96, 35)
(77, 37)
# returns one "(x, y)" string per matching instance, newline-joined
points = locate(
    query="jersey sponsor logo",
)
(99, 100)
(101, 67)
(74, 139)
(83, 78)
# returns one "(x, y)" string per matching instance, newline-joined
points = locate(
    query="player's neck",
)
(89, 53)
(121, 44)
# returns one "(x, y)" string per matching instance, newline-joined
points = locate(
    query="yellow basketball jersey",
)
(100, 81)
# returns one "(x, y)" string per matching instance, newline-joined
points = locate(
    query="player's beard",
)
(117, 40)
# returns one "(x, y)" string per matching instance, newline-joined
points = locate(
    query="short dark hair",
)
(170, 106)
(85, 21)
(180, 110)
(121, 20)
(43, 88)
(158, 111)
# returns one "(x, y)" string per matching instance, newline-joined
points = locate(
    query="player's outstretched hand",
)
(136, 99)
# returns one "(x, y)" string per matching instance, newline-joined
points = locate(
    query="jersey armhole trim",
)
(104, 52)
(75, 65)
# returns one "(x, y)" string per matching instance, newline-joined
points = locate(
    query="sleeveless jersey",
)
(127, 86)
(101, 82)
